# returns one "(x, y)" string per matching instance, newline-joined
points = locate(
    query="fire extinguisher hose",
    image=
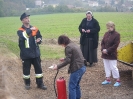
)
(54, 82)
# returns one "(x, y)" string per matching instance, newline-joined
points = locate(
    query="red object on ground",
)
(61, 88)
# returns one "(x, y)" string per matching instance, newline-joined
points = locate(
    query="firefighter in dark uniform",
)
(29, 39)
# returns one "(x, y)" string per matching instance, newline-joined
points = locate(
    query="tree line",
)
(14, 7)
(17, 7)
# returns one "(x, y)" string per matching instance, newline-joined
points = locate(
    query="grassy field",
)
(53, 25)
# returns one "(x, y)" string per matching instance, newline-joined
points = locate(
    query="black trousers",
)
(36, 62)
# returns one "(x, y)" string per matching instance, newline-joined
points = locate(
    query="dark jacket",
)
(27, 43)
(73, 57)
(110, 42)
(94, 29)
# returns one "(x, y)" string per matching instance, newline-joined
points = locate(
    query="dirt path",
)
(12, 87)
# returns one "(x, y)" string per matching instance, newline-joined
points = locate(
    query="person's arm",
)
(115, 44)
(24, 34)
(22, 37)
(67, 60)
(39, 37)
(96, 28)
(102, 44)
(81, 28)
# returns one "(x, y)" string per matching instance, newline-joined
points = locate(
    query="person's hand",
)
(83, 30)
(105, 51)
(55, 67)
(62, 59)
(33, 28)
(88, 31)
(38, 40)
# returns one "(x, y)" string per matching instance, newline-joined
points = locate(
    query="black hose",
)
(54, 82)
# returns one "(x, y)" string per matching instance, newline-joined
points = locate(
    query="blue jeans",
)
(74, 87)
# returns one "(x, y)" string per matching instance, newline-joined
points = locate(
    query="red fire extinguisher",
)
(61, 87)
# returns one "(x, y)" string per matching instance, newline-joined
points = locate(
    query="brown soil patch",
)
(12, 86)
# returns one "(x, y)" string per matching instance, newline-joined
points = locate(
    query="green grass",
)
(53, 25)
(51, 51)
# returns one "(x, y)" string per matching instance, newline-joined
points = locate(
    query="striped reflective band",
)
(27, 39)
(26, 76)
(39, 75)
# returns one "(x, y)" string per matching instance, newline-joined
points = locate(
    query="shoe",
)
(117, 84)
(27, 87)
(42, 87)
(106, 82)
(91, 64)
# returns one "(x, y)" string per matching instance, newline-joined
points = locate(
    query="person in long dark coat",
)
(89, 29)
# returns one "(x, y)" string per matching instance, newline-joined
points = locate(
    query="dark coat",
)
(33, 50)
(110, 42)
(94, 29)
(73, 57)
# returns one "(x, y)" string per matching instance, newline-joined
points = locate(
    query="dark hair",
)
(63, 40)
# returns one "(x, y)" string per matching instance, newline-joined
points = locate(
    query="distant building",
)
(70, 6)
(93, 3)
(107, 2)
(38, 2)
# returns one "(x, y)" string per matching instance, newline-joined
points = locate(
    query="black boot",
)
(27, 87)
(27, 84)
(40, 84)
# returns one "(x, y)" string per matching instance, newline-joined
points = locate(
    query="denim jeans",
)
(74, 87)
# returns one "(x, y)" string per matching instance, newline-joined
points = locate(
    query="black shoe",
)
(43, 87)
(27, 87)
(91, 64)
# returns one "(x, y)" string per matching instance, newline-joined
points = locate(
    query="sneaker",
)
(42, 87)
(117, 84)
(106, 82)
(27, 87)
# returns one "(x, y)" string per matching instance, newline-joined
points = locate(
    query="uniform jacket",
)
(27, 43)
(73, 57)
(94, 29)
(110, 42)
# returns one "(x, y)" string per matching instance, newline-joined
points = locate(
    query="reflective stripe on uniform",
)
(26, 76)
(27, 39)
(39, 75)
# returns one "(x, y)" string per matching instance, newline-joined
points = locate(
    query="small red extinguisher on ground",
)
(61, 87)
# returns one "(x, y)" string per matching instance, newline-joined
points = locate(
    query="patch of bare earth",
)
(12, 86)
